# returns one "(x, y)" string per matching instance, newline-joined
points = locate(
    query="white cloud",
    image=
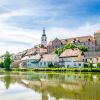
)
(87, 29)
(32, 37)
(15, 38)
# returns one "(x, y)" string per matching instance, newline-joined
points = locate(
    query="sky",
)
(22, 21)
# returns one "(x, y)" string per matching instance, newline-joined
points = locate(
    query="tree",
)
(82, 48)
(98, 65)
(7, 60)
(50, 65)
(91, 63)
(1, 65)
(58, 51)
(70, 46)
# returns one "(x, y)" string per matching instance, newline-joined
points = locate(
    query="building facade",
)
(87, 41)
(56, 43)
(97, 40)
(72, 58)
(49, 58)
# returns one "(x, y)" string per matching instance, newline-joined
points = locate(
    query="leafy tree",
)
(50, 65)
(1, 64)
(7, 60)
(70, 46)
(91, 63)
(58, 51)
(82, 48)
(98, 65)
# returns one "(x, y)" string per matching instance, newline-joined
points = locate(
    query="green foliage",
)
(7, 60)
(50, 65)
(86, 65)
(58, 51)
(1, 65)
(70, 46)
(82, 48)
(98, 65)
(91, 63)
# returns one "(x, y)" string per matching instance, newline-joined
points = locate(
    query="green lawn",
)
(56, 69)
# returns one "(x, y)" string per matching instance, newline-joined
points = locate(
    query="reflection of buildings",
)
(56, 85)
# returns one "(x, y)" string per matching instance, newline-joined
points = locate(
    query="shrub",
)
(98, 65)
(86, 65)
(1, 64)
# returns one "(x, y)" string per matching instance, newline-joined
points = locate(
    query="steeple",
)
(44, 39)
(43, 32)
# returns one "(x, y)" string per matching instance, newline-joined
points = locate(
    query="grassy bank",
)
(55, 69)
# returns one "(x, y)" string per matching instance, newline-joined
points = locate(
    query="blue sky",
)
(22, 21)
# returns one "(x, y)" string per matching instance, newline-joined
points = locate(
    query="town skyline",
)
(21, 23)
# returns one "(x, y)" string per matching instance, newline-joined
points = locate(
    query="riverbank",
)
(54, 69)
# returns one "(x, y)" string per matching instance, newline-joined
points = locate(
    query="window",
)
(79, 64)
(74, 64)
(41, 63)
(44, 63)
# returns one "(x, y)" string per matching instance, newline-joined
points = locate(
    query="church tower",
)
(44, 39)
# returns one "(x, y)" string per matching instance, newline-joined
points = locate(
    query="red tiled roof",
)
(70, 53)
(81, 39)
(50, 57)
(98, 31)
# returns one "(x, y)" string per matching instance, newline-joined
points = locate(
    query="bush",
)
(86, 65)
(98, 65)
(1, 65)
(50, 65)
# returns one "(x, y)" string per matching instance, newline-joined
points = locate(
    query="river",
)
(49, 86)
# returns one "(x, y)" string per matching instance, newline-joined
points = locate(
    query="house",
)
(49, 58)
(71, 58)
(56, 43)
(94, 56)
(97, 40)
(36, 50)
(20, 55)
(31, 61)
(16, 64)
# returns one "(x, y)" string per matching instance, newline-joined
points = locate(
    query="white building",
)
(49, 58)
(31, 61)
(72, 58)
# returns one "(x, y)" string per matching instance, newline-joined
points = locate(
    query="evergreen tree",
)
(7, 60)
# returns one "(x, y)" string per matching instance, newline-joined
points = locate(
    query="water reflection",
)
(71, 86)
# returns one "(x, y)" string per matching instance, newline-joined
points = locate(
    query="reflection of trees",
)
(7, 80)
(58, 86)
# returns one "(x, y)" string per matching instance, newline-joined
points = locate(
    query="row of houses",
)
(41, 55)
(68, 58)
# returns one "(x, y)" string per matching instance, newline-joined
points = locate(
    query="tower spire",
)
(44, 38)
(44, 31)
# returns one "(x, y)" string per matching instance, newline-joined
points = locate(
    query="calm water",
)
(49, 86)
